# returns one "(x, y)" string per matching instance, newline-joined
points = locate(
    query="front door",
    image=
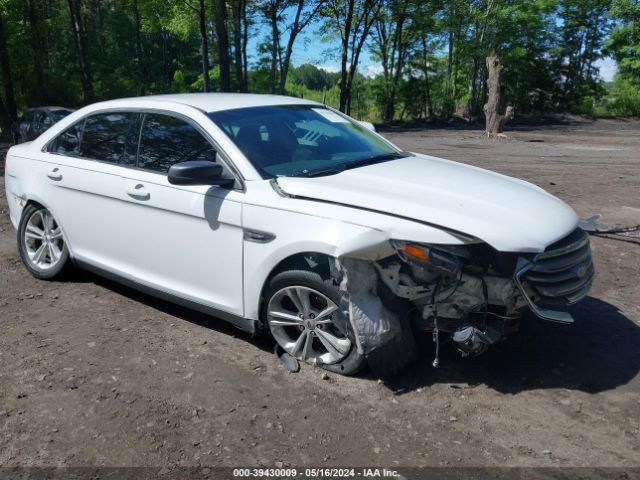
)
(184, 240)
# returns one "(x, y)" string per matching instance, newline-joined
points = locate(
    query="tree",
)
(222, 37)
(494, 119)
(80, 37)
(305, 12)
(9, 111)
(583, 29)
(353, 20)
(275, 11)
(624, 42)
(240, 40)
(38, 49)
(204, 39)
(272, 11)
(393, 35)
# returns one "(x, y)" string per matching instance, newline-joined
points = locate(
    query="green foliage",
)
(623, 97)
(624, 42)
(431, 54)
(313, 77)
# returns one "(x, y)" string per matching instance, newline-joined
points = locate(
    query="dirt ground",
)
(92, 373)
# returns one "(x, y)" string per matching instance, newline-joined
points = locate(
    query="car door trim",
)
(244, 324)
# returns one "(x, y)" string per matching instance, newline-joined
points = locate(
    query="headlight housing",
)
(445, 258)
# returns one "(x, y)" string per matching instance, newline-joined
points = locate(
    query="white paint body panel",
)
(509, 214)
(188, 241)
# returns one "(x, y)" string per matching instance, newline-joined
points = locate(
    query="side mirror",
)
(198, 172)
(367, 125)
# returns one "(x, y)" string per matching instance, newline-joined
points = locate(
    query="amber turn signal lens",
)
(416, 252)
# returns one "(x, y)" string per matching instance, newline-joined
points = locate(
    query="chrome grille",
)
(564, 272)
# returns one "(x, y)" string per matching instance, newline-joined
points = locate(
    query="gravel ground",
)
(94, 374)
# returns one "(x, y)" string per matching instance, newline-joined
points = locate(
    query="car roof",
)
(214, 102)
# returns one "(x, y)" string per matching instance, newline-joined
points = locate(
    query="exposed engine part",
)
(401, 283)
(470, 340)
(470, 296)
(457, 295)
(476, 304)
(436, 340)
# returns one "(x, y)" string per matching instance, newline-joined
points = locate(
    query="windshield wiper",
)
(376, 159)
(358, 163)
(317, 173)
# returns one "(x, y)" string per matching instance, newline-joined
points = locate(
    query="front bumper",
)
(558, 277)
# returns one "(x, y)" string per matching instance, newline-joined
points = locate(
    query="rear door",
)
(83, 168)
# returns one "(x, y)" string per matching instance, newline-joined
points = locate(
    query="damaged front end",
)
(471, 295)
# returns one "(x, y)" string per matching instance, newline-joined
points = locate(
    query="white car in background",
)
(284, 216)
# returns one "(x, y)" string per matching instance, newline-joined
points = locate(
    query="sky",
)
(310, 48)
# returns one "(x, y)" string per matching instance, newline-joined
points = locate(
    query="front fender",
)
(292, 233)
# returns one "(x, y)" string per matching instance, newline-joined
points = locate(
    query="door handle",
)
(139, 192)
(54, 174)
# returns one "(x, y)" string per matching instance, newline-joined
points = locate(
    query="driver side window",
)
(166, 140)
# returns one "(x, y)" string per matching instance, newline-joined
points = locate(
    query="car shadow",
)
(600, 351)
(175, 310)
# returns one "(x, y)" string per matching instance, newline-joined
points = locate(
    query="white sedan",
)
(283, 216)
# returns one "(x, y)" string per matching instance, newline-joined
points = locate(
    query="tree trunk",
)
(37, 46)
(222, 35)
(449, 63)
(205, 47)
(139, 54)
(494, 119)
(275, 44)
(295, 29)
(10, 113)
(427, 88)
(80, 38)
(238, 15)
(473, 104)
(344, 92)
(370, 9)
(245, 42)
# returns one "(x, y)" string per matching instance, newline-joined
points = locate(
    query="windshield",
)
(301, 140)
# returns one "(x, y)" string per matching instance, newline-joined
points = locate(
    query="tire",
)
(42, 247)
(332, 328)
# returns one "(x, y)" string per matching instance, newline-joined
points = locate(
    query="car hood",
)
(509, 214)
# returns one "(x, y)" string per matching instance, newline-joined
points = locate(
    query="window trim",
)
(221, 155)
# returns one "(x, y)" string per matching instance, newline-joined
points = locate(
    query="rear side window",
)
(105, 135)
(166, 140)
(68, 142)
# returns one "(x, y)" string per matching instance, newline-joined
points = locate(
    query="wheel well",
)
(32, 202)
(318, 262)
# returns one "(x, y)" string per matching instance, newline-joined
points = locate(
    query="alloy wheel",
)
(300, 320)
(43, 240)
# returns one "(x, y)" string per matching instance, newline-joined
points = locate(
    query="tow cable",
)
(592, 225)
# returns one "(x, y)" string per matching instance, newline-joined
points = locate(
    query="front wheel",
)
(302, 313)
(41, 244)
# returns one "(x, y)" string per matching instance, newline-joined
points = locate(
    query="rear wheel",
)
(41, 244)
(302, 313)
